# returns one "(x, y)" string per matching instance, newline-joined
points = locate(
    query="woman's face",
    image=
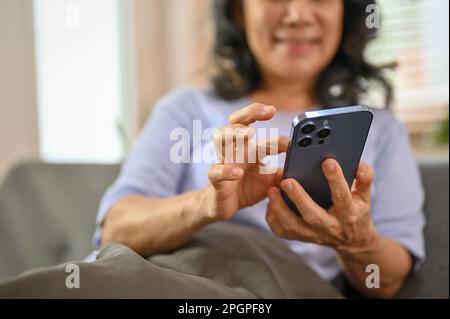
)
(293, 40)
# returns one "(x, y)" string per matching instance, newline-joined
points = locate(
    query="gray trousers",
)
(224, 260)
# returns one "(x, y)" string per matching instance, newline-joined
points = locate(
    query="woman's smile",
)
(295, 45)
(293, 41)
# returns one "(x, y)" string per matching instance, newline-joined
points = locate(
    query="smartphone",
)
(338, 133)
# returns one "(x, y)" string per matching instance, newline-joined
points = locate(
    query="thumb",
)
(363, 181)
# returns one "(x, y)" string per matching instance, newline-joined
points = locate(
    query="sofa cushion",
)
(432, 281)
(47, 213)
(47, 217)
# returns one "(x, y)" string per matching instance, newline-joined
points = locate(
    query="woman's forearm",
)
(154, 225)
(394, 263)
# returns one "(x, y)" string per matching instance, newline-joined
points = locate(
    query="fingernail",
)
(247, 130)
(363, 174)
(272, 195)
(288, 186)
(236, 172)
(363, 169)
(268, 108)
(329, 165)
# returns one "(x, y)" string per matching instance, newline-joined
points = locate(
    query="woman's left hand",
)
(346, 226)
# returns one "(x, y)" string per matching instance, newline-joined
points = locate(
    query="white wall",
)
(79, 75)
(18, 119)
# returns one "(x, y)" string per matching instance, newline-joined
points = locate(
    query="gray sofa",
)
(47, 215)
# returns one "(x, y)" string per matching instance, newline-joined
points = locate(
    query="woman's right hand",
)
(237, 184)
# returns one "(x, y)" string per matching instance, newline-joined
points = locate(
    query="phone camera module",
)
(308, 128)
(324, 132)
(305, 142)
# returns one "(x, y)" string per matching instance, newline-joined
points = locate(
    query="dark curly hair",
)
(238, 72)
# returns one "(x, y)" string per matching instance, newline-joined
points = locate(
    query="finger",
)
(272, 179)
(252, 113)
(225, 140)
(340, 191)
(268, 147)
(363, 182)
(281, 219)
(273, 146)
(224, 172)
(229, 134)
(311, 212)
(235, 131)
(279, 176)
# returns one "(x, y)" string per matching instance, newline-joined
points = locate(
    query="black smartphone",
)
(338, 133)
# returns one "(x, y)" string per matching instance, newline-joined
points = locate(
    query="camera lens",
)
(324, 133)
(308, 128)
(306, 141)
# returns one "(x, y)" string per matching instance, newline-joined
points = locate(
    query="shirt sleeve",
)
(149, 169)
(398, 195)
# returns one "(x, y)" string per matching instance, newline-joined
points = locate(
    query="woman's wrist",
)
(366, 248)
(199, 207)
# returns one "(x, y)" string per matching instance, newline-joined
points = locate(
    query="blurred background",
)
(79, 77)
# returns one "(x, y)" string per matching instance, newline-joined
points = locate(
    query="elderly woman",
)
(276, 59)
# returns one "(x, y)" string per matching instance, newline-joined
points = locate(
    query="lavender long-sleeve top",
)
(150, 170)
